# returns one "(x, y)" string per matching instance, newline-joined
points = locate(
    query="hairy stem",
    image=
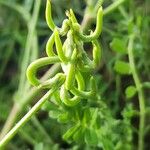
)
(140, 93)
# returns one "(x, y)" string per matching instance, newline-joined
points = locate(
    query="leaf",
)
(107, 143)
(130, 91)
(78, 135)
(94, 116)
(118, 45)
(70, 132)
(87, 115)
(91, 137)
(122, 67)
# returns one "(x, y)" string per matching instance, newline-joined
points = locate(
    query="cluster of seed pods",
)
(72, 56)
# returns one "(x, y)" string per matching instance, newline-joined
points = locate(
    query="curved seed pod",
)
(96, 53)
(85, 94)
(48, 15)
(72, 16)
(70, 45)
(80, 81)
(70, 77)
(49, 46)
(66, 99)
(65, 44)
(59, 46)
(34, 66)
(97, 32)
(71, 72)
(86, 65)
(57, 97)
(65, 95)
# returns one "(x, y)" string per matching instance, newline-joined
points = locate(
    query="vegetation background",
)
(23, 36)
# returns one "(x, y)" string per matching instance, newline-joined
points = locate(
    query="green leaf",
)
(118, 45)
(122, 67)
(70, 132)
(107, 143)
(87, 115)
(91, 137)
(94, 113)
(78, 135)
(130, 91)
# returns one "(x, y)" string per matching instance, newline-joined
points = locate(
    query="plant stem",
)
(33, 92)
(33, 110)
(140, 93)
(7, 57)
(10, 120)
(26, 58)
(88, 17)
(113, 6)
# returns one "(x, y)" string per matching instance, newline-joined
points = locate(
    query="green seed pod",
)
(59, 46)
(34, 66)
(49, 46)
(96, 53)
(66, 99)
(97, 32)
(48, 15)
(71, 71)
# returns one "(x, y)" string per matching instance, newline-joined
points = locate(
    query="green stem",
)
(140, 93)
(29, 42)
(34, 56)
(10, 120)
(32, 93)
(88, 16)
(27, 117)
(113, 6)
(7, 57)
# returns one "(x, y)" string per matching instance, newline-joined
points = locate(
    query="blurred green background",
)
(23, 36)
